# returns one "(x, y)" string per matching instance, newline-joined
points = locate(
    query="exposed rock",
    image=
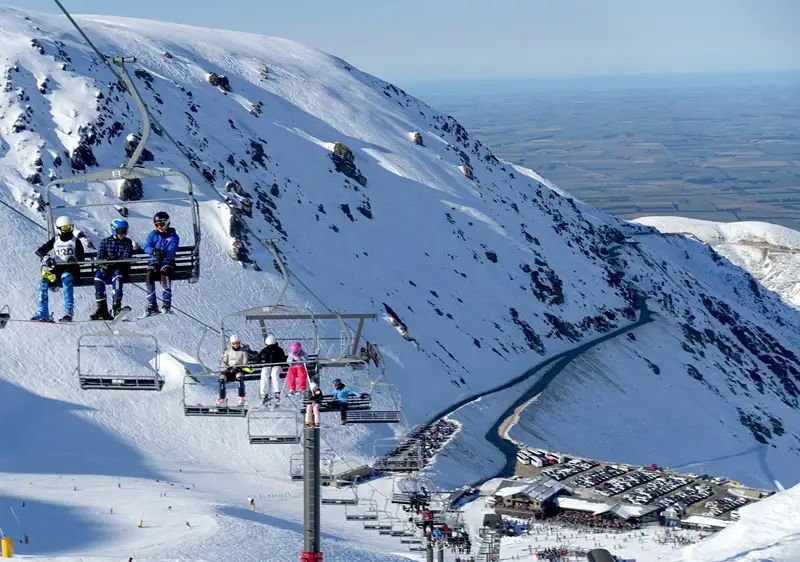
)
(344, 160)
(219, 80)
(34, 178)
(167, 55)
(82, 157)
(467, 171)
(416, 138)
(235, 187)
(131, 142)
(131, 190)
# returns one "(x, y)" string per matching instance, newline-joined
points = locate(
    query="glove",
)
(47, 261)
(156, 254)
(167, 270)
(153, 268)
(104, 268)
(72, 259)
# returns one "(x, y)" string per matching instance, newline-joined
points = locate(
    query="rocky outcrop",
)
(344, 160)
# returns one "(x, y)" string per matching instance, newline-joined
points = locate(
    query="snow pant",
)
(297, 378)
(69, 297)
(342, 408)
(166, 283)
(274, 374)
(230, 375)
(312, 410)
(102, 279)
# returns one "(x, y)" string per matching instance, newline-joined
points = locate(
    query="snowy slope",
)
(491, 275)
(767, 530)
(769, 252)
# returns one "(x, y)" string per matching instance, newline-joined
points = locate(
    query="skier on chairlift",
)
(161, 244)
(274, 358)
(341, 397)
(313, 407)
(233, 360)
(115, 247)
(63, 264)
(297, 377)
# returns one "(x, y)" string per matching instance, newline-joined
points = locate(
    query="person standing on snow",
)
(115, 247)
(274, 358)
(341, 397)
(63, 264)
(232, 361)
(161, 244)
(312, 409)
(297, 377)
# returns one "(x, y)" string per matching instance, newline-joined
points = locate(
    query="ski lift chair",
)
(209, 410)
(187, 259)
(371, 514)
(284, 427)
(350, 498)
(5, 316)
(116, 381)
(405, 457)
(325, 467)
(381, 392)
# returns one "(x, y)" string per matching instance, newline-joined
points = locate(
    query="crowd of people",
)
(591, 523)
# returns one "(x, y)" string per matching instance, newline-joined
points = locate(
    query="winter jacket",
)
(233, 357)
(167, 243)
(317, 396)
(344, 394)
(272, 354)
(297, 358)
(112, 248)
(63, 247)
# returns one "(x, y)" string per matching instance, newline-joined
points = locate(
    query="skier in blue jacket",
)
(341, 397)
(162, 244)
(115, 247)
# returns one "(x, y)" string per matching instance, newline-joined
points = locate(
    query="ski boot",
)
(166, 307)
(152, 308)
(40, 318)
(242, 402)
(118, 309)
(100, 313)
(66, 318)
(222, 402)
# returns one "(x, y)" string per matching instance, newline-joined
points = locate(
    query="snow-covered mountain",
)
(769, 252)
(490, 270)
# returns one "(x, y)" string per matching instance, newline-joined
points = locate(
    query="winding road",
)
(557, 364)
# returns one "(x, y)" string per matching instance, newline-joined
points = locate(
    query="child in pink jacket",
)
(297, 377)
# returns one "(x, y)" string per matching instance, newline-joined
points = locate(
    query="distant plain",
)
(723, 148)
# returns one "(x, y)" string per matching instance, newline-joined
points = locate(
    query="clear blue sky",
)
(410, 40)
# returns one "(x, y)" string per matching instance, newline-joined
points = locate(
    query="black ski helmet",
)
(161, 216)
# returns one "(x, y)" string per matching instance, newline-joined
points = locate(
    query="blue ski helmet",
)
(337, 382)
(119, 224)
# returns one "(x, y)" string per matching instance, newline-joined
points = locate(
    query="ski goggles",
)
(160, 223)
(65, 228)
(123, 230)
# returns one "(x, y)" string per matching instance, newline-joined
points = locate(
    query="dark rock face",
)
(417, 139)
(82, 157)
(130, 147)
(220, 81)
(131, 190)
(344, 160)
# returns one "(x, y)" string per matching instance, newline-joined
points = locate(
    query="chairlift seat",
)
(187, 267)
(373, 416)
(363, 402)
(122, 383)
(4, 318)
(371, 525)
(361, 516)
(339, 501)
(274, 439)
(402, 498)
(215, 411)
(395, 465)
(416, 548)
(410, 541)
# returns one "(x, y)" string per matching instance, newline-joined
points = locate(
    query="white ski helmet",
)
(63, 223)
(235, 339)
(270, 340)
(313, 386)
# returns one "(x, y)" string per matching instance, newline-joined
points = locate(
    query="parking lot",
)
(696, 494)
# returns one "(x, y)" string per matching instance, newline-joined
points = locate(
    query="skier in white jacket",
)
(232, 361)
